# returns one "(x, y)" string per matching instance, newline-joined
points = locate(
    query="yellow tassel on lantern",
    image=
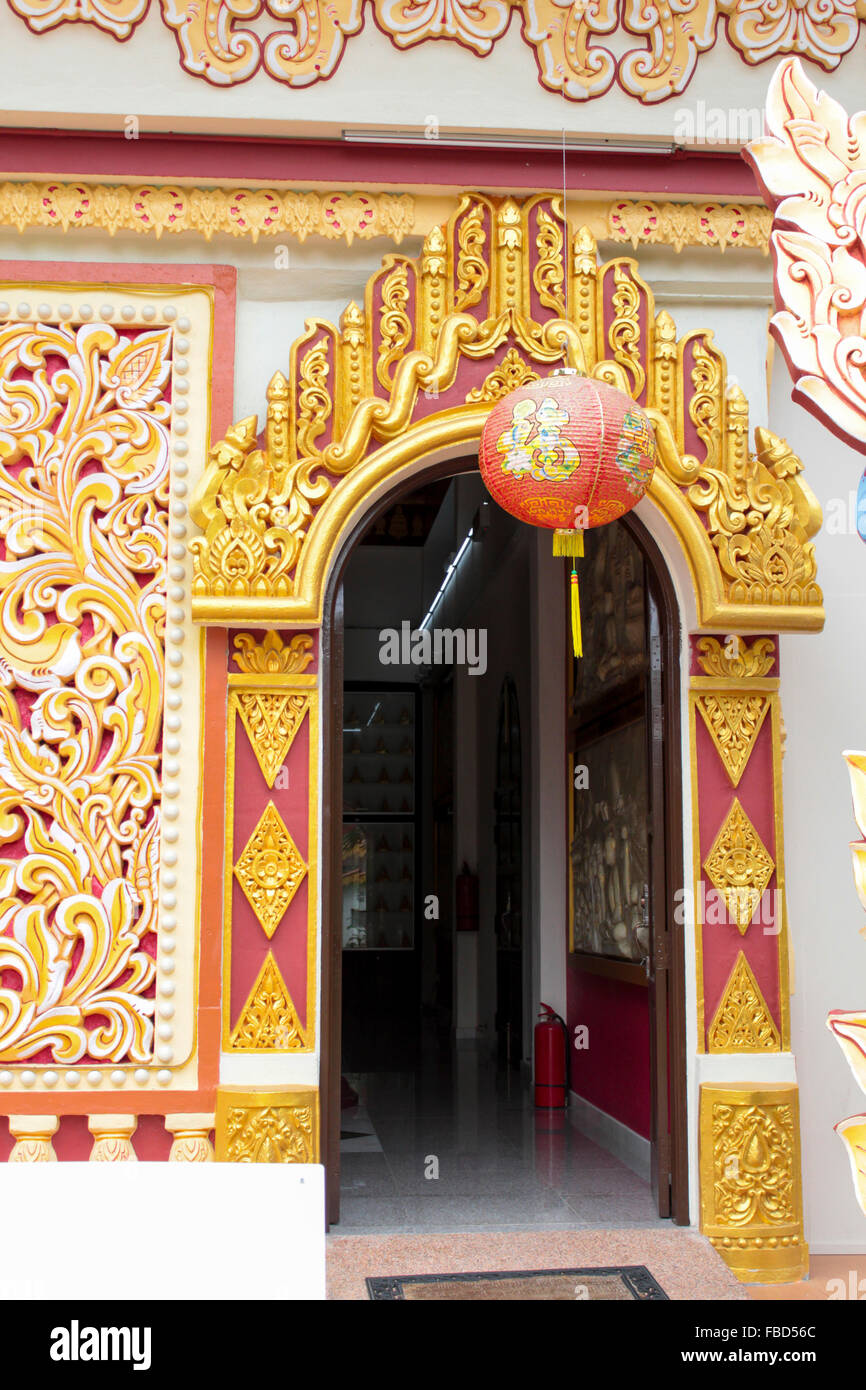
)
(571, 543)
(576, 634)
(567, 542)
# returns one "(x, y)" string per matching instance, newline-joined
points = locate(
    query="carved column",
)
(191, 1142)
(33, 1135)
(112, 1138)
(749, 1134)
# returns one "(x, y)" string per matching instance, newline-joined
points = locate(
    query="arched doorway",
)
(656, 983)
(504, 292)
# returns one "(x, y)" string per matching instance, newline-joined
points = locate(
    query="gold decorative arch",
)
(503, 292)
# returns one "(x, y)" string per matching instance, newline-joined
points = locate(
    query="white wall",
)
(823, 685)
(76, 75)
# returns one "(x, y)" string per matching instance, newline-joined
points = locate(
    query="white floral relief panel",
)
(103, 425)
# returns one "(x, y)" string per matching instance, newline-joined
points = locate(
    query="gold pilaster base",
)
(751, 1190)
(261, 1125)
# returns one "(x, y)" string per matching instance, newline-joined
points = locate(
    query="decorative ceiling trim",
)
(415, 369)
(302, 44)
(249, 213)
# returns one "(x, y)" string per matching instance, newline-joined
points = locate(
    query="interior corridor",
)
(457, 1145)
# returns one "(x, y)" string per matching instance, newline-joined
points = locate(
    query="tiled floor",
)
(458, 1146)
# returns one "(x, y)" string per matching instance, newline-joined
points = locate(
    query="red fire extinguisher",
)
(467, 900)
(551, 1057)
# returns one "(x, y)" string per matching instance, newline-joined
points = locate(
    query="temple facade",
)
(301, 783)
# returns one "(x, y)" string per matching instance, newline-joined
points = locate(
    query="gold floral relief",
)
(759, 1186)
(270, 869)
(733, 722)
(278, 1127)
(743, 1022)
(739, 867)
(268, 1021)
(736, 656)
(84, 477)
(751, 1189)
(271, 721)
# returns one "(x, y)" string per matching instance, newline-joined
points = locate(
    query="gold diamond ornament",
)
(739, 867)
(270, 870)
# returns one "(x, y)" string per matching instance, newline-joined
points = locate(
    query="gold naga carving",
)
(304, 43)
(268, 1021)
(738, 866)
(733, 722)
(84, 470)
(812, 166)
(743, 1022)
(271, 508)
(270, 869)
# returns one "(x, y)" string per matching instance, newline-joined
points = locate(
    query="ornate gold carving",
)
(250, 213)
(271, 721)
(819, 239)
(707, 406)
(548, 274)
(33, 1135)
(84, 493)
(721, 225)
(744, 519)
(511, 373)
(272, 656)
(395, 328)
(751, 1196)
(738, 866)
(734, 722)
(267, 1127)
(270, 869)
(269, 1020)
(112, 1138)
(743, 1022)
(724, 658)
(159, 209)
(191, 1142)
(759, 517)
(473, 270)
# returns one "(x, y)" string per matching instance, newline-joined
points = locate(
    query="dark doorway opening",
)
(395, 999)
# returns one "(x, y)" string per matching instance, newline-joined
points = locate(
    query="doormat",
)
(617, 1283)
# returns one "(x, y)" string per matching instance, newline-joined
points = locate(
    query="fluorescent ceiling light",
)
(492, 140)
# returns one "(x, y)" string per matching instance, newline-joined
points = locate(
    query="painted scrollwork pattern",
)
(298, 42)
(84, 433)
(812, 167)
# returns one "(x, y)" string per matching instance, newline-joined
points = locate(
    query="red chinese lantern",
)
(568, 453)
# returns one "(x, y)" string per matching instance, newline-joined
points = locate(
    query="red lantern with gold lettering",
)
(568, 453)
